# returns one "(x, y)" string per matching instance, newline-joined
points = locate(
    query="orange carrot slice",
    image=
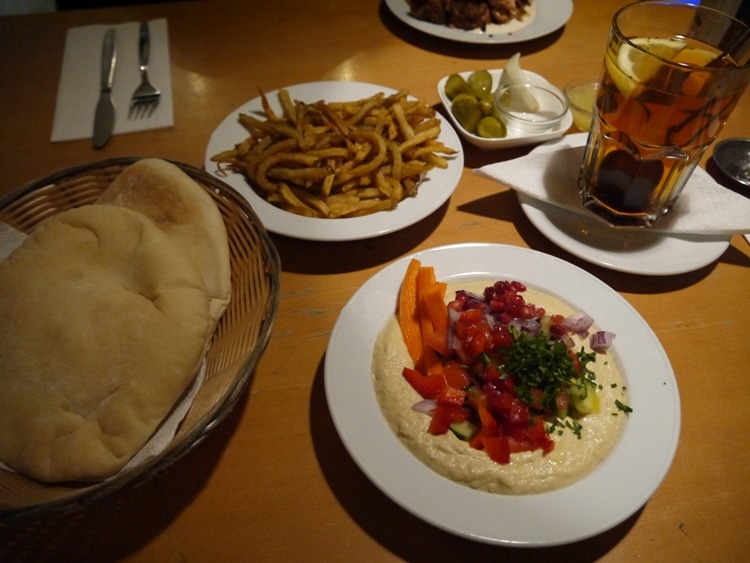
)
(432, 300)
(408, 314)
(426, 285)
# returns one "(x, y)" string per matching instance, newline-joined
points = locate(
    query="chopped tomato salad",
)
(493, 369)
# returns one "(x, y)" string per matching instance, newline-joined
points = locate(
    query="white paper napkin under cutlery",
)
(78, 90)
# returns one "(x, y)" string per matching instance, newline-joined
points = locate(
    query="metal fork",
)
(146, 97)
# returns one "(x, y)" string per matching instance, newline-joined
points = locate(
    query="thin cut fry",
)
(339, 159)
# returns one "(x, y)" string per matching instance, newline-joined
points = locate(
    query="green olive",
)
(491, 128)
(467, 112)
(455, 85)
(481, 82)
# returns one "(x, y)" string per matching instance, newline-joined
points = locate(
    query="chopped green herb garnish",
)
(622, 406)
(538, 363)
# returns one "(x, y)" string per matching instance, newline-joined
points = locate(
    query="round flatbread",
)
(104, 321)
(185, 211)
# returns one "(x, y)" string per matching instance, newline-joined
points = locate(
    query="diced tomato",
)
(531, 437)
(428, 386)
(557, 328)
(502, 339)
(537, 399)
(517, 442)
(576, 360)
(497, 448)
(456, 375)
(476, 339)
(519, 414)
(506, 384)
(451, 397)
(476, 441)
(489, 423)
(500, 400)
(538, 436)
(489, 373)
(444, 416)
(471, 316)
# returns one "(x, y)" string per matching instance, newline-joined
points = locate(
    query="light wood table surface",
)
(273, 481)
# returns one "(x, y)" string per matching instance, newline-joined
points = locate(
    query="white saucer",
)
(625, 250)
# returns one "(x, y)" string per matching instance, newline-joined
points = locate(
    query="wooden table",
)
(273, 481)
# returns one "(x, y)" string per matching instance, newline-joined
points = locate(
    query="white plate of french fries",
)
(398, 151)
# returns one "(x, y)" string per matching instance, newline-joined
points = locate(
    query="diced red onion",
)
(567, 340)
(601, 341)
(453, 315)
(579, 323)
(426, 406)
(490, 320)
(531, 326)
(455, 343)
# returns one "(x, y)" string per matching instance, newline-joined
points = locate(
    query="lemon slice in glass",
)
(633, 66)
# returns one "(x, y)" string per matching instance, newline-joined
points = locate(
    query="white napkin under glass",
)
(550, 171)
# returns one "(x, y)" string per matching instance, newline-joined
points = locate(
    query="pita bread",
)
(185, 211)
(82, 302)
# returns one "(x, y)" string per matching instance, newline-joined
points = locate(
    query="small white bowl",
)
(512, 139)
(519, 118)
(581, 95)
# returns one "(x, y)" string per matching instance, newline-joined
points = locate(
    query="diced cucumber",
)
(464, 430)
(584, 397)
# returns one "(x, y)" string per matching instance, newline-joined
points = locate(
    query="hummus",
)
(527, 472)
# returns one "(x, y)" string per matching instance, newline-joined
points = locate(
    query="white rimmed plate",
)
(436, 187)
(512, 139)
(626, 478)
(633, 251)
(550, 15)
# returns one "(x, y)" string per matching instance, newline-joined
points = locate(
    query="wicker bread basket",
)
(236, 347)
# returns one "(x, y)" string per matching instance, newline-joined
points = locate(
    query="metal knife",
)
(104, 118)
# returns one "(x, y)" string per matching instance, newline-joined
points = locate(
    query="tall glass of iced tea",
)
(672, 74)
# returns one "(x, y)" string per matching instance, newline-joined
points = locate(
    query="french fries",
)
(339, 159)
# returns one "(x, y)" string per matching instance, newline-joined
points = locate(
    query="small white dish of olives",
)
(468, 99)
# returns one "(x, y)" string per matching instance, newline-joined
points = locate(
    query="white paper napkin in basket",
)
(549, 173)
(10, 238)
(78, 90)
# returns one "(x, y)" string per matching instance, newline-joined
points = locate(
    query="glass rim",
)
(744, 31)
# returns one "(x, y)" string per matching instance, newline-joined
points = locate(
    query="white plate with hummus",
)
(544, 17)
(627, 477)
(434, 190)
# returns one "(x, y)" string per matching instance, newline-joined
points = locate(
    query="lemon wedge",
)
(633, 66)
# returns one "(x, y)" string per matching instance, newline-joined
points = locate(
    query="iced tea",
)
(662, 100)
